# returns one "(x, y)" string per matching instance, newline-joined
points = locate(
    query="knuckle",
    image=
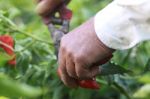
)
(71, 74)
(63, 45)
(79, 58)
(69, 53)
(63, 48)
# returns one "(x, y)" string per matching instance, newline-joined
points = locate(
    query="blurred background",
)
(35, 76)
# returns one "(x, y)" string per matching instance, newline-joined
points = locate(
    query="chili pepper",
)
(89, 84)
(8, 40)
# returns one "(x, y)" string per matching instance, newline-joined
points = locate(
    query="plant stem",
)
(6, 45)
(13, 26)
(26, 47)
(32, 36)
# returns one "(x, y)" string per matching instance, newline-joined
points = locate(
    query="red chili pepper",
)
(7, 39)
(89, 84)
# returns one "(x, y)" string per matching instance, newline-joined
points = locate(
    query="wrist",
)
(99, 45)
(107, 50)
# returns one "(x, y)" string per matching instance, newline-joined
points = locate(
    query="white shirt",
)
(123, 23)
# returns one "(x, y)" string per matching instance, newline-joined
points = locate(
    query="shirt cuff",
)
(113, 27)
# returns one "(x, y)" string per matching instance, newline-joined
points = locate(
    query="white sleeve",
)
(123, 23)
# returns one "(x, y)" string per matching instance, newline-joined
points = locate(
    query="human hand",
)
(81, 52)
(47, 9)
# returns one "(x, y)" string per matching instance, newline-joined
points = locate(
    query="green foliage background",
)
(35, 76)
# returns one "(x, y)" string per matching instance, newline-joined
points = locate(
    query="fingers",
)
(67, 80)
(75, 66)
(70, 67)
(72, 71)
(45, 7)
(74, 82)
(86, 73)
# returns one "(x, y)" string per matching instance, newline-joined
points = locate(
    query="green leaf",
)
(143, 92)
(11, 88)
(1, 97)
(121, 90)
(111, 68)
(145, 78)
(147, 67)
(4, 58)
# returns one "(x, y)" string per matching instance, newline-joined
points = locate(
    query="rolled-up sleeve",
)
(123, 23)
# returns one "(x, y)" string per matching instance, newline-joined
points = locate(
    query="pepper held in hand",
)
(8, 46)
(89, 84)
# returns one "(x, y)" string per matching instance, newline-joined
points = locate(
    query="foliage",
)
(35, 77)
